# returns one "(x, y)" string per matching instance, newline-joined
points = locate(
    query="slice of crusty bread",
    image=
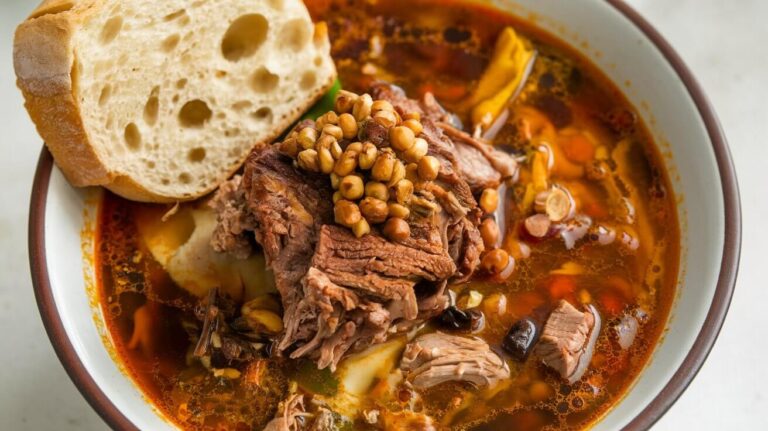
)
(162, 100)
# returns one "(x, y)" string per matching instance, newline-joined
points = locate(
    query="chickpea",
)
(307, 138)
(396, 229)
(403, 191)
(289, 147)
(412, 172)
(374, 210)
(346, 213)
(325, 160)
(325, 141)
(345, 100)
(382, 105)
(362, 108)
(361, 228)
(399, 211)
(401, 138)
(429, 167)
(489, 231)
(489, 200)
(367, 156)
(356, 147)
(333, 130)
(335, 181)
(348, 125)
(398, 173)
(385, 118)
(351, 187)
(377, 190)
(336, 150)
(337, 196)
(307, 160)
(414, 125)
(383, 167)
(417, 151)
(412, 116)
(329, 118)
(495, 261)
(346, 164)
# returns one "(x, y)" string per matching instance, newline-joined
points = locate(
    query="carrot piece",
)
(612, 304)
(561, 287)
(578, 148)
(450, 92)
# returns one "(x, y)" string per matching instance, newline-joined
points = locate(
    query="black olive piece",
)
(547, 81)
(520, 339)
(456, 35)
(460, 320)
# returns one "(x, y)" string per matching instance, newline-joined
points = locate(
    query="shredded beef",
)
(436, 358)
(341, 293)
(234, 220)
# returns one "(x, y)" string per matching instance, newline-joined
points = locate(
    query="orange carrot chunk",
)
(561, 287)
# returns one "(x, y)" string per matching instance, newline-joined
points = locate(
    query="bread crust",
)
(46, 67)
(44, 62)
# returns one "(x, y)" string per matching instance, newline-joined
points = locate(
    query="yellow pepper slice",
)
(502, 78)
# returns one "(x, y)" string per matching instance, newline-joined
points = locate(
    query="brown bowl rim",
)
(643, 421)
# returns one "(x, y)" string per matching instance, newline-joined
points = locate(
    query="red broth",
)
(603, 156)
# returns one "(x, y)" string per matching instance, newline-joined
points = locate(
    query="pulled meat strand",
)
(437, 358)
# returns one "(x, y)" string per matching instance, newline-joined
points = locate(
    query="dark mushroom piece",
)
(461, 320)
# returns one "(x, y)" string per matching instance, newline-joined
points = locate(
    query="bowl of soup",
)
(530, 220)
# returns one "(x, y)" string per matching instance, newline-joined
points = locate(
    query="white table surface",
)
(726, 45)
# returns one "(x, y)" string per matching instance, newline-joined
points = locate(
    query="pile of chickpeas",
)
(374, 185)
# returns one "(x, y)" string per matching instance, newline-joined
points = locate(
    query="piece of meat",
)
(323, 421)
(476, 170)
(436, 358)
(504, 164)
(340, 293)
(289, 207)
(465, 246)
(381, 268)
(356, 288)
(331, 319)
(568, 340)
(288, 416)
(234, 222)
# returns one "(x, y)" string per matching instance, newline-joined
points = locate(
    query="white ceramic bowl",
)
(627, 49)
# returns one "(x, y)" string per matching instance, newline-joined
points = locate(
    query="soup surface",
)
(569, 127)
